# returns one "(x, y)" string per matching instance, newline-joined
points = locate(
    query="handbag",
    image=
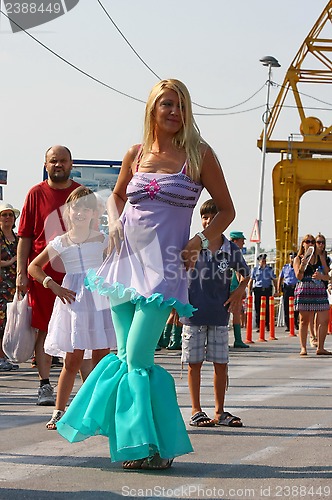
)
(19, 337)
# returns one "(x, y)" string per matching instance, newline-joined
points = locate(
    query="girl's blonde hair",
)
(188, 137)
(81, 196)
(306, 237)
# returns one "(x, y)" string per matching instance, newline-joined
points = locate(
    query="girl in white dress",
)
(80, 318)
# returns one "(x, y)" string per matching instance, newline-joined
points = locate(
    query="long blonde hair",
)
(188, 137)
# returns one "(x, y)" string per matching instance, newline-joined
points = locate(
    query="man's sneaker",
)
(46, 396)
(56, 362)
(6, 365)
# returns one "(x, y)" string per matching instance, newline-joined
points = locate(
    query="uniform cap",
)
(262, 256)
(237, 235)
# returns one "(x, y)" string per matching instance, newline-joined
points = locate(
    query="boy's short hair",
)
(208, 207)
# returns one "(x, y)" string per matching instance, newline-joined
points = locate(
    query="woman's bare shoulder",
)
(133, 151)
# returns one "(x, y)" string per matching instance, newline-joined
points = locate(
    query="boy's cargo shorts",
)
(201, 343)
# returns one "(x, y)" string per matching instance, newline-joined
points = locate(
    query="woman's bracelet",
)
(46, 281)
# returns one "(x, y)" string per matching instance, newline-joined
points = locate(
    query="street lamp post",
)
(270, 62)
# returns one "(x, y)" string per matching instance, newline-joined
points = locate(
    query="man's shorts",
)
(201, 343)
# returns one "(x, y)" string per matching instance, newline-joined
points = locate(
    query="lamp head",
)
(270, 61)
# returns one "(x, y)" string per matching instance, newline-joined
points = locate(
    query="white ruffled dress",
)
(86, 323)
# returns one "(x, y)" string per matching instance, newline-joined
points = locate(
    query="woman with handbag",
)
(8, 242)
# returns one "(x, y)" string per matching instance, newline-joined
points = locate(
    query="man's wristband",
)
(46, 280)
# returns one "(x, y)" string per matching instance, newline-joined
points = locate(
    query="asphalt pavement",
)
(284, 449)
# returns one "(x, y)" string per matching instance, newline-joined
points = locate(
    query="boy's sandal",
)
(156, 463)
(56, 415)
(201, 419)
(229, 420)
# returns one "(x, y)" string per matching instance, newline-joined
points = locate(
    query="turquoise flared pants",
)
(127, 397)
(137, 327)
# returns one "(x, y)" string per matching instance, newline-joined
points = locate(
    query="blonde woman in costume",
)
(127, 397)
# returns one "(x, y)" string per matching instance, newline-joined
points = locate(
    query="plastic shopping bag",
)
(19, 338)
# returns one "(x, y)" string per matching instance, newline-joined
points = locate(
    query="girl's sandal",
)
(156, 463)
(56, 415)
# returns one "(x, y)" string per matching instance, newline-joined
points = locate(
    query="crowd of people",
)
(145, 286)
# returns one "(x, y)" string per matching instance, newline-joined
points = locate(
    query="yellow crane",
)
(306, 161)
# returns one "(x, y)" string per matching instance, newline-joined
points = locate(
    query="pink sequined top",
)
(156, 227)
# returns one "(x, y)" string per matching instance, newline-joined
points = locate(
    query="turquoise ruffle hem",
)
(111, 397)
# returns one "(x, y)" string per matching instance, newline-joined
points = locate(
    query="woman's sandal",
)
(156, 463)
(133, 464)
(56, 415)
(323, 352)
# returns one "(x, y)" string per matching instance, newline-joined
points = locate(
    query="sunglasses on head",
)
(320, 242)
(309, 241)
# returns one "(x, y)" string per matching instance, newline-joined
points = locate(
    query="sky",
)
(214, 47)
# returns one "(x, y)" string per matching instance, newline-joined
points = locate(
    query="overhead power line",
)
(159, 77)
(97, 80)
(127, 41)
(302, 93)
(231, 113)
(125, 94)
(304, 107)
(71, 64)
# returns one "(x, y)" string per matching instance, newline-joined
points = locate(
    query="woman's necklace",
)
(78, 242)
